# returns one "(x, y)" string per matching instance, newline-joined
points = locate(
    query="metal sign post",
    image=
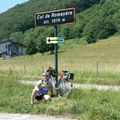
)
(56, 60)
(54, 18)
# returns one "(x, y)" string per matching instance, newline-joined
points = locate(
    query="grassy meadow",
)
(97, 63)
(80, 105)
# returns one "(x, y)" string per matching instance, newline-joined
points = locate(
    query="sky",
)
(6, 4)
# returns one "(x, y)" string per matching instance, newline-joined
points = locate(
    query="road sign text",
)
(55, 17)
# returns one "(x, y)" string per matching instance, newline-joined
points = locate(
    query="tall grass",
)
(102, 78)
(96, 105)
(81, 104)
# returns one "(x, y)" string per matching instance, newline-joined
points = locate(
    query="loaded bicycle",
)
(65, 83)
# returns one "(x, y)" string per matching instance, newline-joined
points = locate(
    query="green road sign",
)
(61, 40)
(55, 40)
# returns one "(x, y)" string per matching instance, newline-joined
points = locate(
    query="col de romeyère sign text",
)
(64, 16)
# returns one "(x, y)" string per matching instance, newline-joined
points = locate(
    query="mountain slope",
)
(74, 55)
(21, 17)
(95, 20)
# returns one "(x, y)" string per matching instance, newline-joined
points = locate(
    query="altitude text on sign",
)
(55, 17)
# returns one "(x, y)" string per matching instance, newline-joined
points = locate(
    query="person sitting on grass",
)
(40, 92)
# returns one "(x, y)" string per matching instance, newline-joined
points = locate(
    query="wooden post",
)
(42, 69)
(97, 68)
(24, 69)
(10, 70)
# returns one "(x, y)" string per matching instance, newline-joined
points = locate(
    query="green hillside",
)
(75, 50)
(95, 20)
(21, 17)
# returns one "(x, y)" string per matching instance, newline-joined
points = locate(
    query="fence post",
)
(42, 69)
(97, 67)
(65, 67)
(10, 69)
(24, 69)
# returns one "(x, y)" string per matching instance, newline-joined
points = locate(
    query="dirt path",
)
(98, 87)
(82, 86)
(6, 116)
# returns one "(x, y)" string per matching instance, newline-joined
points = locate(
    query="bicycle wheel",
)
(64, 88)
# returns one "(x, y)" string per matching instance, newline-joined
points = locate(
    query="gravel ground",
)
(6, 116)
